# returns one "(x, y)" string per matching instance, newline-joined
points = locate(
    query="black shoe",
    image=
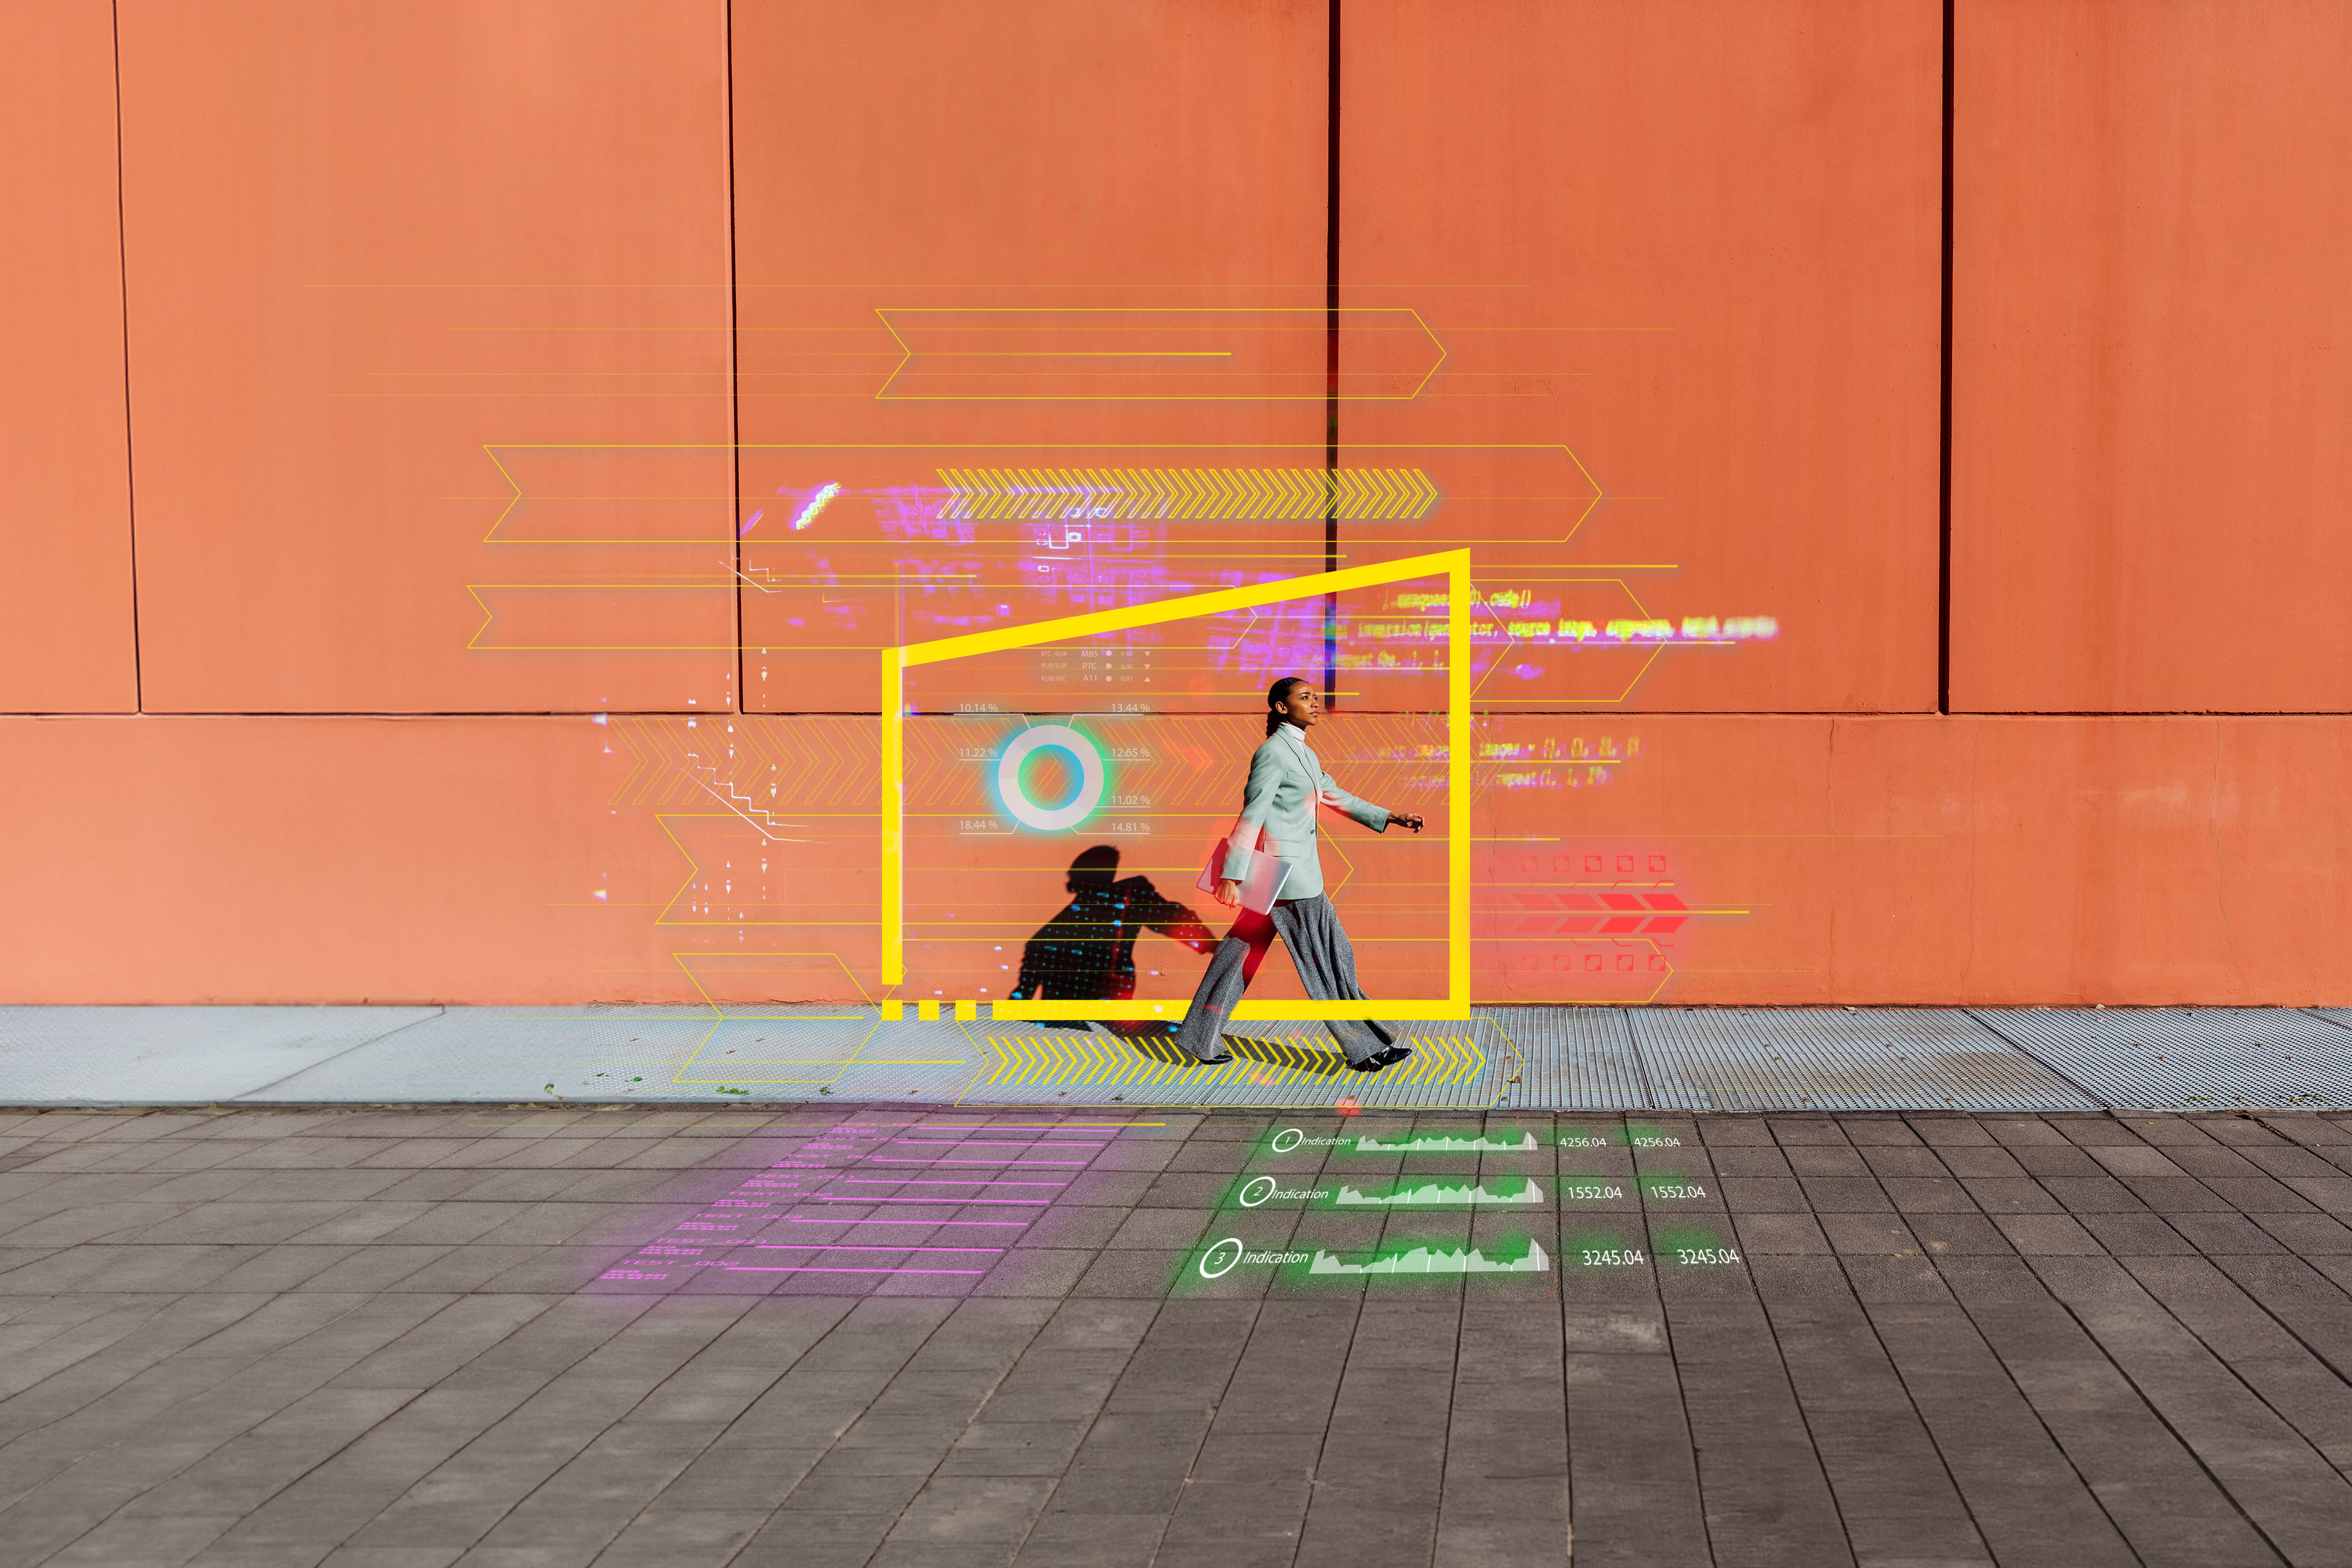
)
(1372, 1063)
(1394, 1055)
(1213, 1061)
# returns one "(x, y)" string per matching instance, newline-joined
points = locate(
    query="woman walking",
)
(1285, 782)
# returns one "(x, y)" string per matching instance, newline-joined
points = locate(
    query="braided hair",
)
(1274, 696)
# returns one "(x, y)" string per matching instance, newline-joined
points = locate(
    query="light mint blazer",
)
(1285, 780)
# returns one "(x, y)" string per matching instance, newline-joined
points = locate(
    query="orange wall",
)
(369, 238)
(66, 635)
(1849, 859)
(1697, 243)
(1045, 163)
(444, 318)
(2152, 356)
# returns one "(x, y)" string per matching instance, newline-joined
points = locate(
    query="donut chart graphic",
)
(1092, 778)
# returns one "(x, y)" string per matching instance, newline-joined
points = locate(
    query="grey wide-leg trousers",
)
(1326, 960)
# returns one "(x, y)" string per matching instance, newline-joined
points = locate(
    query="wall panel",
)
(400, 272)
(1033, 235)
(65, 635)
(330, 860)
(1695, 858)
(1696, 244)
(2152, 356)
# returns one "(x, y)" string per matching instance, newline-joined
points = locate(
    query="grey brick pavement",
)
(889, 1336)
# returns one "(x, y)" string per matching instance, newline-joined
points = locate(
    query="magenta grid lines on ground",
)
(868, 1199)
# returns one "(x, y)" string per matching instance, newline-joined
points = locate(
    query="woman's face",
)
(1302, 705)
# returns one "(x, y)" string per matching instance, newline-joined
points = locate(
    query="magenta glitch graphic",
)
(768, 1229)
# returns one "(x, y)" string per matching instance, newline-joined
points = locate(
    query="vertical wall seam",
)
(1944, 440)
(1331, 355)
(742, 703)
(123, 278)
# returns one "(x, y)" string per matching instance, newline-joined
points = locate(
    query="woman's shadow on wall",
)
(1086, 951)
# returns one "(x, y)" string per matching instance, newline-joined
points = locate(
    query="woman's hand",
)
(1408, 819)
(1229, 892)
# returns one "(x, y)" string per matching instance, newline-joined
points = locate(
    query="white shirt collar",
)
(1294, 728)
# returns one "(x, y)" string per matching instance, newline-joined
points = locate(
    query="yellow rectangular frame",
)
(1453, 566)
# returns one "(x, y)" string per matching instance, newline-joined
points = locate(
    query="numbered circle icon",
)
(1287, 1139)
(1257, 1192)
(1219, 1261)
(1080, 807)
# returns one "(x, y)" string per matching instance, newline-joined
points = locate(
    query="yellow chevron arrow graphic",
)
(1194, 494)
(1156, 1063)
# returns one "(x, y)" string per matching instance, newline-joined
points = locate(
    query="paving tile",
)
(1762, 1482)
(1896, 1279)
(1888, 1131)
(1881, 1461)
(980, 1510)
(2218, 1233)
(1781, 1233)
(1948, 1133)
(2332, 1194)
(2303, 1127)
(2257, 1195)
(1798, 1278)
(1092, 1540)
(2270, 1470)
(664, 1538)
(1806, 1132)
(111, 1384)
(1846, 1195)
(2307, 1233)
(2205, 1159)
(1747, 1195)
(1816, 1160)
(2159, 1496)
(1504, 1494)
(1980, 1162)
(2135, 1235)
(382, 1267)
(1869, 1233)
(1159, 1228)
(2014, 1132)
(2300, 1387)
(2177, 1195)
(2137, 1159)
(2241, 1130)
(2065, 1160)
(2093, 1195)
(1133, 1460)
(2025, 1501)
(1766, 1162)
(2036, 1235)
(2309, 1302)
(2287, 1161)
(1014, 1448)
(1632, 1473)
(1957, 1234)
(122, 1542)
(414, 1364)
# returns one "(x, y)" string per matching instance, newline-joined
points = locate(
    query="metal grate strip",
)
(1875, 1058)
(1572, 1058)
(2182, 1057)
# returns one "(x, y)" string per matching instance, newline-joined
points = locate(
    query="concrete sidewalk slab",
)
(179, 1056)
(1540, 1059)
